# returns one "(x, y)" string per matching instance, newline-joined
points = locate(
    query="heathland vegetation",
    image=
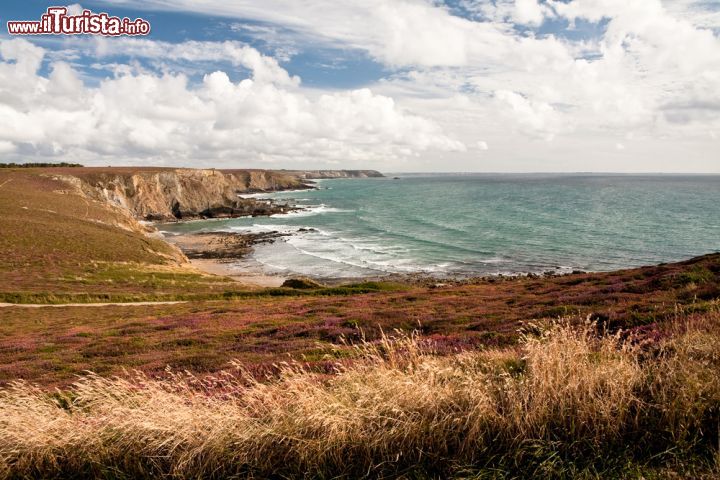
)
(39, 165)
(565, 402)
(590, 375)
(56, 241)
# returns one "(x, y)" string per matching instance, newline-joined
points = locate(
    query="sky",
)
(392, 85)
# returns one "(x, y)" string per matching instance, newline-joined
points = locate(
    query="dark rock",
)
(301, 283)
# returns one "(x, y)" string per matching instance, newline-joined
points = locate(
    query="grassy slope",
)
(51, 344)
(568, 402)
(57, 246)
(56, 242)
(533, 407)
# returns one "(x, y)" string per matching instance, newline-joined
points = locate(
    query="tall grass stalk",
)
(570, 401)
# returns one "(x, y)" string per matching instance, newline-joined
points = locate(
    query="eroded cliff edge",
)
(167, 194)
(322, 174)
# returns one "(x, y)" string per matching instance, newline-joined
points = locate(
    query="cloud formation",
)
(647, 54)
(141, 116)
(559, 83)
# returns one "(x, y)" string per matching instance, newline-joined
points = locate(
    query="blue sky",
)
(403, 85)
(318, 66)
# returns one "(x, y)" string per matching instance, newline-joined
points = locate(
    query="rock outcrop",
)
(320, 174)
(173, 194)
(168, 194)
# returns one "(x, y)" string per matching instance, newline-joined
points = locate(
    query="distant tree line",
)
(38, 165)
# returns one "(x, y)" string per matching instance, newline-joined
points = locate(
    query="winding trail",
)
(111, 304)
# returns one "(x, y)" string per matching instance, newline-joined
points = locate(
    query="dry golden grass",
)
(568, 402)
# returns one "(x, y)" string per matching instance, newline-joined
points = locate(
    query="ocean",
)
(481, 224)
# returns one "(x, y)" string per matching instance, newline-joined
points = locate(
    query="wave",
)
(424, 240)
(484, 225)
(324, 253)
(310, 210)
(364, 265)
(273, 194)
(361, 258)
(437, 225)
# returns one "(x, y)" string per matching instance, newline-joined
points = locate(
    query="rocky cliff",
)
(166, 194)
(170, 194)
(319, 174)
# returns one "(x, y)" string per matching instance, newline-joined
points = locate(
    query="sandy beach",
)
(238, 273)
(221, 253)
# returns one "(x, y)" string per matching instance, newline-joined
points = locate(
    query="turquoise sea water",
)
(486, 224)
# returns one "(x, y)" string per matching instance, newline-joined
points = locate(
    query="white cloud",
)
(650, 69)
(482, 145)
(6, 147)
(74, 9)
(532, 117)
(264, 68)
(141, 116)
(394, 32)
(528, 12)
(695, 11)
(646, 57)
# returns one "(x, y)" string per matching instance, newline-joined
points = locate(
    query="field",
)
(56, 242)
(565, 402)
(590, 375)
(54, 344)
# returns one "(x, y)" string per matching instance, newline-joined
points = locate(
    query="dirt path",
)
(58, 305)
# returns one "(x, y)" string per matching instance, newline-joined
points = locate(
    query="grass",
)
(567, 402)
(40, 165)
(169, 285)
(478, 393)
(59, 245)
(261, 327)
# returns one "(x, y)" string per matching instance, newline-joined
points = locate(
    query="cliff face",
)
(165, 194)
(318, 174)
(169, 194)
(46, 215)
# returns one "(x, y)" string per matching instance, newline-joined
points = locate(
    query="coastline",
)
(351, 238)
(239, 274)
(227, 254)
(223, 254)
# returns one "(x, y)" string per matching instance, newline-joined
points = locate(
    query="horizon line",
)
(405, 172)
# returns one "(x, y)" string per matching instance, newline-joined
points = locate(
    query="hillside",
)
(167, 194)
(565, 402)
(73, 231)
(588, 375)
(180, 193)
(494, 387)
(263, 327)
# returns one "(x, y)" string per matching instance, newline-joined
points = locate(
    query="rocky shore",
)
(171, 194)
(166, 195)
(182, 194)
(226, 253)
(223, 246)
(327, 174)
